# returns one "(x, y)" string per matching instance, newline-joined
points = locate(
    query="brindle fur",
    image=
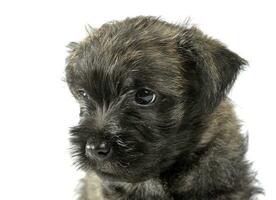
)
(187, 145)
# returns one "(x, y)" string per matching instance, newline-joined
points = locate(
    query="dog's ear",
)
(210, 67)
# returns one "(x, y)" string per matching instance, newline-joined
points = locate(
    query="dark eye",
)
(144, 96)
(83, 94)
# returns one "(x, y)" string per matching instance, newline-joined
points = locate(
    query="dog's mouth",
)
(112, 171)
(121, 177)
(107, 169)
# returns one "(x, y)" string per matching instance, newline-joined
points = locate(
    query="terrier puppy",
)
(155, 122)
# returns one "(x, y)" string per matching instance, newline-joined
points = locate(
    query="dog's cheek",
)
(144, 140)
(133, 152)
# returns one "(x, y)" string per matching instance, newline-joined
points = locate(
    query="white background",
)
(36, 108)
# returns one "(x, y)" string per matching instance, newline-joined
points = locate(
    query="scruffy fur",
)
(187, 144)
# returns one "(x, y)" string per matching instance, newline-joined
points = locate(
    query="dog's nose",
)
(99, 150)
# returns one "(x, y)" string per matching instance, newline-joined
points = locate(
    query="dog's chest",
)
(98, 190)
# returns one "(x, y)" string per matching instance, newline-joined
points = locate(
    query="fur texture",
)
(187, 143)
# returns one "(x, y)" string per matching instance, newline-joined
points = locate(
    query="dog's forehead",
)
(137, 68)
(123, 55)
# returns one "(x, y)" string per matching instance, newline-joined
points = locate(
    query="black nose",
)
(99, 149)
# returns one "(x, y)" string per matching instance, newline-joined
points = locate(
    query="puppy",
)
(155, 122)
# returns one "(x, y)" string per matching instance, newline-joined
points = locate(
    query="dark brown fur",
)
(192, 148)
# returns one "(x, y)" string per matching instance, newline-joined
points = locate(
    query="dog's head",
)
(144, 88)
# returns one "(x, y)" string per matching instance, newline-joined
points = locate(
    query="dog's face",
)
(143, 86)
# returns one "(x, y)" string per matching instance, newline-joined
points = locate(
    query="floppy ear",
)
(210, 68)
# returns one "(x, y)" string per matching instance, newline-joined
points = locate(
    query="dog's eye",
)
(82, 94)
(144, 97)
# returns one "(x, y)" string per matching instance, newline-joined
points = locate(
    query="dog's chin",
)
(108, 176)
(122, 177)
(113, 170)
(114, 173)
